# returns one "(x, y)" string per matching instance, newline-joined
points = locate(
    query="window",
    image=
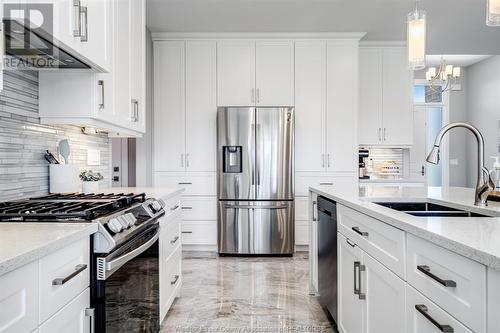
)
(427, 94)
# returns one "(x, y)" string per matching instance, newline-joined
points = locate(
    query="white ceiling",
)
(455, 60)
(454, 26)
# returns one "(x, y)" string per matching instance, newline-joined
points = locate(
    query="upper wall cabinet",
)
(185, 106)
(385, 97)
(113, 101)
(255, 73)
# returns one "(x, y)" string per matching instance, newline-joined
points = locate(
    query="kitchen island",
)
(403, 273)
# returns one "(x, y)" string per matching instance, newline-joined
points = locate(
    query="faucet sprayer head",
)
(433, 156)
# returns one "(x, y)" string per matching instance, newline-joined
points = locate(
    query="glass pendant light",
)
(493, 13)
(416, 33)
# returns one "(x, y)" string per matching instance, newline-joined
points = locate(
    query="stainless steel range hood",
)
(28, 48)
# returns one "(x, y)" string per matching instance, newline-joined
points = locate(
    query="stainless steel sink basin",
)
(428, 209)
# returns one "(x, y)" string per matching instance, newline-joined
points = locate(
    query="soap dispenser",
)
(495, 172)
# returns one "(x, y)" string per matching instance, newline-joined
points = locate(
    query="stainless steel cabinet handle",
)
(100, 83)
(252, 97)
(315, 211)
(328, 159)
(379, 134)
(427, 271)
(348, 241)
(174, 281)
(358, 268)
(186, 232)
(174, 208)
(185, 183)
(78, 269)
(135, 110)
(90, 312)
(186, 207)
(182, 161)
(77, 19)
(258, 95)
(322, 160)
(187, 160)
(385, 134)
(326, 183)
(362, 233)
(425, 312)
(423, 170)
(84, 33)
(173, 241)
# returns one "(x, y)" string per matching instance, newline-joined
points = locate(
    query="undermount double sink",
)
(428, 209)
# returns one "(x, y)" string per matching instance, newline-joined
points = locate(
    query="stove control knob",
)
(131, 219)
(156, 205)
(123, 220)
(115, 226)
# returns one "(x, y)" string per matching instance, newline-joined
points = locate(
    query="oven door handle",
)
(120, 261)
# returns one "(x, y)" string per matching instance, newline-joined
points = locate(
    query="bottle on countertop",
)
(495, 172)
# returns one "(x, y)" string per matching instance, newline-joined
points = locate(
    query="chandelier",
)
(444, 77)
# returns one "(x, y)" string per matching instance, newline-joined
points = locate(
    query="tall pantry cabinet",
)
(185, 111)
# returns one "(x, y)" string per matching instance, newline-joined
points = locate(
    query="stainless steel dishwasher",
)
(327, 255)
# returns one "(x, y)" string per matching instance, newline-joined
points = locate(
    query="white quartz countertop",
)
(24, 242)
(393, 180)
(477, 238)
(151, 192)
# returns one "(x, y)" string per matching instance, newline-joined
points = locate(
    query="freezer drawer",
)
(256, 227)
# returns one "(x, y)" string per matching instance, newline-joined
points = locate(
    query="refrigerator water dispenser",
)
(232, 159)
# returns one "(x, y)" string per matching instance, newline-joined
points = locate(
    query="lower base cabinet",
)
(371, 297)
(72, 318)
(424, 316)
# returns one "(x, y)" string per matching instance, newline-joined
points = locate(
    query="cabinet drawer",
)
(193, 184)
(171, 206)
(420, 312)
(301, 233)
(455, 283)
(19, 299)
(170, 279)
(303, 182)
(194, 208)
(173, 272)
(199, 232)
(171, 235)
(302, 208)
(71, 318)
(63, 275)
(382, 241)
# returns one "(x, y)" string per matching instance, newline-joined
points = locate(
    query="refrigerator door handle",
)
(256, 207)
(257, 140)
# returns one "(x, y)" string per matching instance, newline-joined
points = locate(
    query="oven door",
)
(126, 286)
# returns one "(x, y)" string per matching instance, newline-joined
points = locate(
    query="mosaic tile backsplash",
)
(23, 141)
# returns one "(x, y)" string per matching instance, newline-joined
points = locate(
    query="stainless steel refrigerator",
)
(255, 148)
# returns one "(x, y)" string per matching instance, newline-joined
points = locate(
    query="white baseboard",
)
(202, 248)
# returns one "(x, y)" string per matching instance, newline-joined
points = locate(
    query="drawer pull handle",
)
(174, 281)
(187, 232)
(185, 183)
(358, 268)
(326, 183)
(78, 269)
(174, 208)
(186, 207)
(427, 271)
(348, 241)
(425, 312)
(362, 233)
(173, 241)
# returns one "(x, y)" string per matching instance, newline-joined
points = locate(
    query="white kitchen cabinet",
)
(201, 106)
(255, 73)
(169, 106)
(310, 106)
(313, 244)
(236, 73)
(385, 97)
(342, 106)
(73, 317)
(350, 307)
(185, 108)
(274, 73)
(385, 298)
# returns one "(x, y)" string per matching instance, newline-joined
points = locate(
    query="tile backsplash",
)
(23, 141)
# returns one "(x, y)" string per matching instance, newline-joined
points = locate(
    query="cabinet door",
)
(350, 316)
(122, 76)
(275, 73)
(201, 106)
(71, 318)
(97, 26)
(397, 98)
(169, 106)
(310, 105)
(370, 96)
(342, 106)
(313, 247)
(138, 64)
(385, 298)
(236, 73)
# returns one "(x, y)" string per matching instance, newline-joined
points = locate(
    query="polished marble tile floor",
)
(228, 294)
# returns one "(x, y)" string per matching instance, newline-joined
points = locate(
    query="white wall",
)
(483, 110)
(144, 145)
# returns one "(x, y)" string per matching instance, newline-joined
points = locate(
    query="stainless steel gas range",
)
(124, 270)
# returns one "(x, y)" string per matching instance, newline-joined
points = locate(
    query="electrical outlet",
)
(93, 157)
